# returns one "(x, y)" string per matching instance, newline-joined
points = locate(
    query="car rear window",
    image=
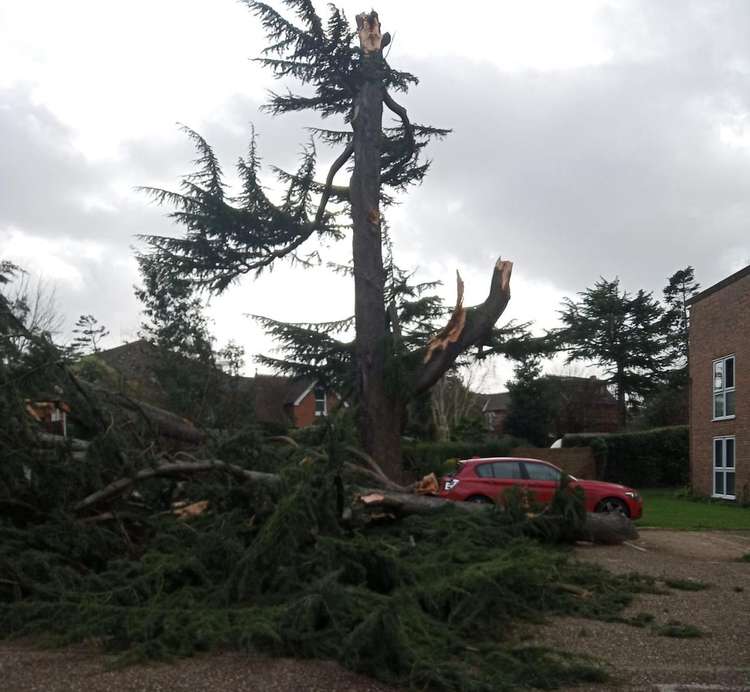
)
(503, 470)
(484, 470)
(508, 470)
(541, 472)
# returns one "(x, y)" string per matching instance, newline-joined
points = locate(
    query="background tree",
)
(176, 325)
(667, 404)
(175, 315)
(531, 403)
(680, 288)
(229, 236)
(454, 402)
(89, 334)
(33, 307)
(620, 332)
(232, 358)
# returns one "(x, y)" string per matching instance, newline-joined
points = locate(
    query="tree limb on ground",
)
(123, 485)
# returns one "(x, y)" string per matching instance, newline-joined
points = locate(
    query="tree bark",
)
(380, 412)
(378, 504)
(162, 422)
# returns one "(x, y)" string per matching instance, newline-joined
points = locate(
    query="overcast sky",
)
(589, 138)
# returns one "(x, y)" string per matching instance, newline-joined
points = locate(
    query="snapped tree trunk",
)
(380, 412)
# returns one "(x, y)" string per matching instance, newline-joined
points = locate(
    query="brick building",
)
(133, 368)
(579, 405)
(720, 388)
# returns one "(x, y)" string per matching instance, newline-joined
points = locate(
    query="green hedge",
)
(421, 458)
(650, 458)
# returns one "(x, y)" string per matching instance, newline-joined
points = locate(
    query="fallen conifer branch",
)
(123, 485)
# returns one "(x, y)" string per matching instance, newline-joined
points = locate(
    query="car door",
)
(506, 474)
(542, 480)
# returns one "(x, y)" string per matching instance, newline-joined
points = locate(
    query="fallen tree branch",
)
(369, 460)
(377, 478)
(46, 439)
(121, 486)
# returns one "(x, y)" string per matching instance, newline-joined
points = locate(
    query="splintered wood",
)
(452, 331)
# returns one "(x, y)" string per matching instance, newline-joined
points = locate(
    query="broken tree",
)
(391, 359)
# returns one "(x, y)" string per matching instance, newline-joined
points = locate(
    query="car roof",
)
(479, 460)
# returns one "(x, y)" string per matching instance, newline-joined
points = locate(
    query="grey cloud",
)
(612, 169)
(609, 169)
(47, 189)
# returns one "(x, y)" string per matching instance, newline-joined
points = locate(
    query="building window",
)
(320, 401)
(723, 386)
(724, 467)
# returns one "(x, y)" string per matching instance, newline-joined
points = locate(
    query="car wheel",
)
(613, 505)
(480, 499)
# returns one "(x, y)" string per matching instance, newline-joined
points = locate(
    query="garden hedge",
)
(421, 458)
(649, 458)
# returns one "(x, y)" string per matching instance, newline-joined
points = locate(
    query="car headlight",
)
(450, 484)
(633, 494)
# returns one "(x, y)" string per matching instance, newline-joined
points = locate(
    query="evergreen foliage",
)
(284, 577)
(231, 233)
(667, 404)
(425, 602)
(422, 458)
(658, 457)
(621, 333)
(680, 288)
(89, 334)
(175, 319)
(531, 404)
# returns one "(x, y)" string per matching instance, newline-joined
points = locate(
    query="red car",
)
(483, 480)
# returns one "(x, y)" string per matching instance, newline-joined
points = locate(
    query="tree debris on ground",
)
(274, 546)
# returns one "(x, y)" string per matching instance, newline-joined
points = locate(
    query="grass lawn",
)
(663, 510)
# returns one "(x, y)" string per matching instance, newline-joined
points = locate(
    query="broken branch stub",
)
(467, 327)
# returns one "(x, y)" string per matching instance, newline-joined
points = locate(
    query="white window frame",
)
(724, 469)
(324, 412)
(724, 389)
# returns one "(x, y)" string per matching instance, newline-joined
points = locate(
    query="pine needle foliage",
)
(424, 602)
(231, 235)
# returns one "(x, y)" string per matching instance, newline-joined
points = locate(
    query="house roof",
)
(496, 402)
(594, 389)
(270, 398)
(137, 362)
(741, 274)
(298, 389)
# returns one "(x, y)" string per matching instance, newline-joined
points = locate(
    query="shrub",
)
(421, 458)
(658, 457)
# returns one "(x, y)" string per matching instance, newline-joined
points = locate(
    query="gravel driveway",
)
(641, 659)
(637, 657)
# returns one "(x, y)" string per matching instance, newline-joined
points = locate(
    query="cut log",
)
(606, 529)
